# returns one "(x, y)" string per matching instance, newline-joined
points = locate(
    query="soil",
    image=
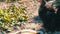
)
(32, 7)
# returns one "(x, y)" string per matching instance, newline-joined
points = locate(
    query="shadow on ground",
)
(37, 19)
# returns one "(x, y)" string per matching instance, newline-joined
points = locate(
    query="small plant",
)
(12, 15)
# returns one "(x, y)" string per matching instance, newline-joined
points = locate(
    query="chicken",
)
(51, 20)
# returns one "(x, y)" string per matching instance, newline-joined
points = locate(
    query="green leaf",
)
(0, 24)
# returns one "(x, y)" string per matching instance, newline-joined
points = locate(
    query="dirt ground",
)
(32, 9)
